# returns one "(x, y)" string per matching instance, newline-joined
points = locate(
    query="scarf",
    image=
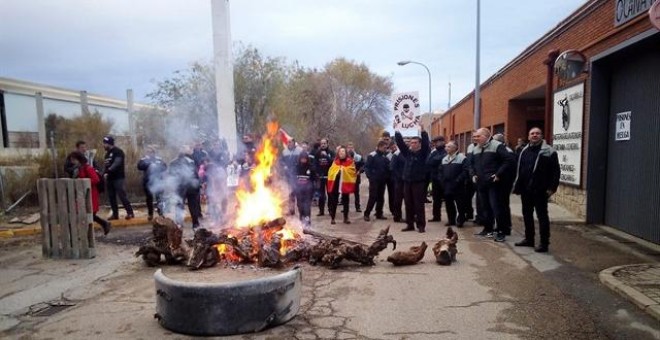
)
(347, 175)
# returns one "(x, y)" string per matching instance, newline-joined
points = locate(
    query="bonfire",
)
(256, 233)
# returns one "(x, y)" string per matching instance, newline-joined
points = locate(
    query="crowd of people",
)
(194, 175)
(407, 169)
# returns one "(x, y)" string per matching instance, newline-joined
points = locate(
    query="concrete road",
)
(494, 291)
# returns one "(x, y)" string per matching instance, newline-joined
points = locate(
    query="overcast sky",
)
(107, 46)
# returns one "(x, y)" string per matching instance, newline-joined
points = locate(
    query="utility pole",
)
(477, 99)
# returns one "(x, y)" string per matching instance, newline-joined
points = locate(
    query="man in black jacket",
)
(153, 170)
(115, 176)
(489, 165)
(433, 163)
(396, 183)
(183, 172)
(359, 166)
(415, 178)
(324, 158)
(537, 179)
(453, 176)
(377, 170)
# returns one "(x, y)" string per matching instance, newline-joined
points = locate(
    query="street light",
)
(406, 62)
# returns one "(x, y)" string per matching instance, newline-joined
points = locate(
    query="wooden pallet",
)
(66, 218)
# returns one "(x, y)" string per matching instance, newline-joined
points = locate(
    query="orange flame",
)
(261, 203)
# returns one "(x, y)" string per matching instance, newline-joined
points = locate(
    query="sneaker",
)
(490, 235)
(483, 233)
(500, 237)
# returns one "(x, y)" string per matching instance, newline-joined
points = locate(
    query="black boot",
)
(107, 226)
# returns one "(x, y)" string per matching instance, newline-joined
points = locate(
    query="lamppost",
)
(406, 62)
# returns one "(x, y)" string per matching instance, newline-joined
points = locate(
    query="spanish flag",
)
(347, 177)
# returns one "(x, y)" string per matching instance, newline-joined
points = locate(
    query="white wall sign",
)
(623, 126)
(405, 113)
(567, 132)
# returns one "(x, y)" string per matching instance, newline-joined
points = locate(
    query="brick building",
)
(605, 121)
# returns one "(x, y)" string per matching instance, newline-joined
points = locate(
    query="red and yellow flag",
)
(347, 177)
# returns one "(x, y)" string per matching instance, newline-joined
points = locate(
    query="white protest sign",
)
(405, 113)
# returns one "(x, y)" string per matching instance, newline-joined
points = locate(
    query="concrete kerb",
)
(638, 298)
(35, 229)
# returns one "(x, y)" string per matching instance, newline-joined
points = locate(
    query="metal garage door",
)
(633, 166)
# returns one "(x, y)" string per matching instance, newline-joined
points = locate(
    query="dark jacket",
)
(198, 156)
(305, 176)
(183, 170)
(288, 163)
(414, 169)
(488, 160)
(433, 163)
(454, 173)
(218, 156)
(153, 168)
(396, 166)
(323, 162)
(114, 163)
(538, 170)
(377, 167)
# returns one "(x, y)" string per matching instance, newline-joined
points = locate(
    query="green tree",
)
(89, 126)
(259, 83)
(345, 102)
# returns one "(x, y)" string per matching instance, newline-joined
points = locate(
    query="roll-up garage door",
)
(632, 201)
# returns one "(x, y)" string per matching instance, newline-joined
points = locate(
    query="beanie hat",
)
(108, 140)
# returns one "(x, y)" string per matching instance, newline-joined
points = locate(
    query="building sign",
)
(622, 126)
(405, 113)
(626, 10)
(567, 132)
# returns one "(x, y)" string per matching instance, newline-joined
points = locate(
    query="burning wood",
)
(445, 250)
(331, 251)
(269, 245)
(412, 256)
(166, 242)
(203, 254)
